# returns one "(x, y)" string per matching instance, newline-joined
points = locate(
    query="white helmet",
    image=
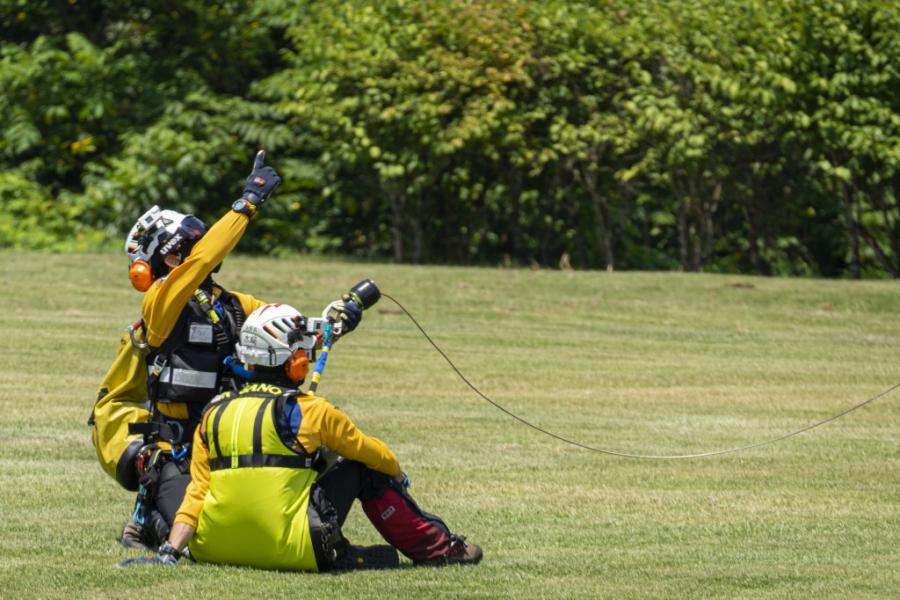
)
(272, 334)
(159, 233)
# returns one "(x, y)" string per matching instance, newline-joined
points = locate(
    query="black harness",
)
(273, 403)
(189, 365)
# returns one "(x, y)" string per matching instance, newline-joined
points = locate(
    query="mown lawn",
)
(644, 363)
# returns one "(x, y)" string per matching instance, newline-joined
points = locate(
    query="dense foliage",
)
(726, 135)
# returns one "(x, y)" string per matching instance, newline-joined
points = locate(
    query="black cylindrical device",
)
(365, 293)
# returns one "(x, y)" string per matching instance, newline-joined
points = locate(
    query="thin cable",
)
(626, 454)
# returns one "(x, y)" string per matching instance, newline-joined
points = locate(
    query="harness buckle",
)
(159, 364)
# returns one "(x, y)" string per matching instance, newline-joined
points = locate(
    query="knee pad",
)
(420, 536)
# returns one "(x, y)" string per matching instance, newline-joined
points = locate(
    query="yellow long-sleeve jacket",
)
(168, 296)
(321, 424)
(122, 394)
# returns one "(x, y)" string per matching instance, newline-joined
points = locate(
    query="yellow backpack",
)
(121, 399)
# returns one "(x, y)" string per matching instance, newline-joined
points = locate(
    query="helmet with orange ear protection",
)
(275, 335)
(157, 235)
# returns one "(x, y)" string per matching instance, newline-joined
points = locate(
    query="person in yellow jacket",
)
(256, 497)
(153, 394)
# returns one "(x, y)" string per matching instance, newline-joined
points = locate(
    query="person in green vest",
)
(257, 496)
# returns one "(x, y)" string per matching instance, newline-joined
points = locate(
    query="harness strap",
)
(237, 313)
(154, 430)
(201, 303)
(153, 374)
(286, 433)
(258, 458)
(257, 426)
(263, 460)
(186, 377)
(215, 427)
(234, 318)
(213, 404)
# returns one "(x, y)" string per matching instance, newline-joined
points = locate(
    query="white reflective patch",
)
(200, 334)
(187, 378)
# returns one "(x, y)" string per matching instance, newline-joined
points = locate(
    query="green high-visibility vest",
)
(255, 512)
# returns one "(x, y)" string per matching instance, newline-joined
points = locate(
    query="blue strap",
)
(217, 306)
(181, 453)
(232, 363)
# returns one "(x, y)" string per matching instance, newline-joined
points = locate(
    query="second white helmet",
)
(271, 334)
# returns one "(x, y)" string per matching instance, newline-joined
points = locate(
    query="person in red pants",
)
(257, 496)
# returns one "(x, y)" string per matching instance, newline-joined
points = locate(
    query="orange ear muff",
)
(297, 366)
(141, 275)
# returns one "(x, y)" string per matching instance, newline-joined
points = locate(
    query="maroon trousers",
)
(417, 534)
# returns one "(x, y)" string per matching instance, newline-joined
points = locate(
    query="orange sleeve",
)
(325, 425)
(168, 296)
(189, 511)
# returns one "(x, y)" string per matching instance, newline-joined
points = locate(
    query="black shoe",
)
(459, 553)
(368, 557)
(132, 536)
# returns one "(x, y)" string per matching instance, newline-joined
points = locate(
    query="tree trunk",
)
(752, 240)
(683, 234)
(889, 265)
(397, 203)
(418, 238)
(855, 261)
(602, 224)
(708, 226)
(889, 217)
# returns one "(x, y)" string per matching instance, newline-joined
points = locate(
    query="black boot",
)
(132, 536)
(459, 553)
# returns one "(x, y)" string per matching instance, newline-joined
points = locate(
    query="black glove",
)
(350, 314)
(261, 183)
(159, 559)
(167, 555)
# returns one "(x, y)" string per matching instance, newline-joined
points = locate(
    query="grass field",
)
(643, 363)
